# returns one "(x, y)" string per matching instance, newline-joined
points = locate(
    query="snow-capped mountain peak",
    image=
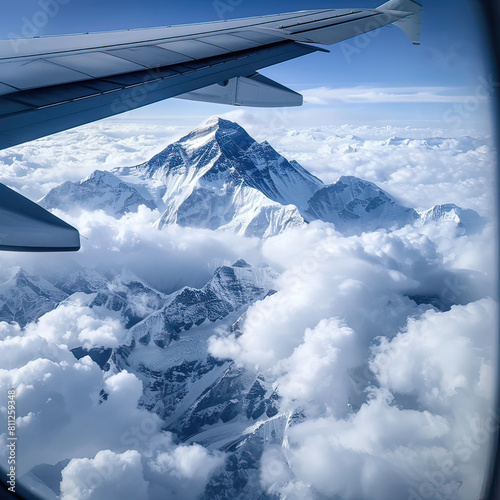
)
(355, 205)
(218, 177)
(467, 220)
(101, 190)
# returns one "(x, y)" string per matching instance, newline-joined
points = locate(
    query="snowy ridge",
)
(99, 191)
(195, 394)
(467, 220)
(24, 297)
(230, 289)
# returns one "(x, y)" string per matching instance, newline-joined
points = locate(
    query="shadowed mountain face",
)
(24, 297)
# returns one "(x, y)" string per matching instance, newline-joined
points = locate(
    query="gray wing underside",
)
(51, 84)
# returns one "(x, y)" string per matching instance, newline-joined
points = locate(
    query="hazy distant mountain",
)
(468, 220)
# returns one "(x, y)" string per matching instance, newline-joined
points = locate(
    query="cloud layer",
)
(382, 384)
(385, 396)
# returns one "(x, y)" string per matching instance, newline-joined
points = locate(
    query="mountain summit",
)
(218, 177)
(99, 191)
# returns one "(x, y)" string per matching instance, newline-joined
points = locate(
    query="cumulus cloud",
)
(443, 362)
(74, 324)
(182, 472)
(360, 457)
(363, 280)
(163, 470)
(60, 410)
(108, 476)
(317, 371)
(167, 259)
(413, 361)
(70, 409)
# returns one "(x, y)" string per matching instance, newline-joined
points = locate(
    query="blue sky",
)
(448, 67)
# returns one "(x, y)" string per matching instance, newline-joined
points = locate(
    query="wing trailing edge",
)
(256, 91)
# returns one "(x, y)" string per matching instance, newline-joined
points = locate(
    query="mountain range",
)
(166, 348)
(217, 177)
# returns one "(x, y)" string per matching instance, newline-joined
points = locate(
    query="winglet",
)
(411, 23)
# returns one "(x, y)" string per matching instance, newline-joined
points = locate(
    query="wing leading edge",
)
(51, 84)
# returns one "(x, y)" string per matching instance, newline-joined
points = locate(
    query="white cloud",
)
(444, 362)
(326, 95)
(108, 476)
(74, 324)
(317, 371)
(183, 471)
(360, 280)
(413, 361)
(366, 455)
(167, 259)
(70, 409)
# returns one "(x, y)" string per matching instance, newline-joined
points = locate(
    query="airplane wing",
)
(27, 227)
(50, 84)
